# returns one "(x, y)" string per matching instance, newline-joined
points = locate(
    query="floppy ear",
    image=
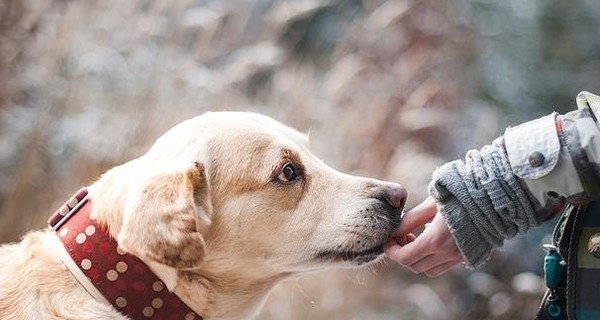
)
(162, 217)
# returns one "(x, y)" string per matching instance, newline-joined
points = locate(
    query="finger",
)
(440, 252)
(399, 242)
(418, 216)
(430, 261)
(410, 238)
(442, 268)
(408, 254)
(405, 239)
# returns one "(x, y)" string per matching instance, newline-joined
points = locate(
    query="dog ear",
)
(163, 215)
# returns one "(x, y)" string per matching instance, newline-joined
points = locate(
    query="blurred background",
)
(389, 89)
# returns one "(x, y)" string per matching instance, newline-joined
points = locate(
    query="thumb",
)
(418, 216)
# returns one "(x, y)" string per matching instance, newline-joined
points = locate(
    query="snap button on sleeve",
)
(533, 148)
(536, 159)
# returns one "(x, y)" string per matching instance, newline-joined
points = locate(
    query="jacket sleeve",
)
(561, 157)
(520, 180)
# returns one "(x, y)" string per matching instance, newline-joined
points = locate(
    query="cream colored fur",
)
(207, 210)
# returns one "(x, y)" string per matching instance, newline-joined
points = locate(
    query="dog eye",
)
(289, 173)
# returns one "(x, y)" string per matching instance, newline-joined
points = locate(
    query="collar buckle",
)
(68, 209)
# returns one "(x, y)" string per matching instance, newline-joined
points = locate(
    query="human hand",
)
(434, 251)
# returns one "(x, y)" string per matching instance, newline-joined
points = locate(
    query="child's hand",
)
(434, 251)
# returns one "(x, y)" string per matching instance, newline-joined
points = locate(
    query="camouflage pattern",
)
(577, 234)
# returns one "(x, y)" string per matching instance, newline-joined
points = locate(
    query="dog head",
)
(240, 190)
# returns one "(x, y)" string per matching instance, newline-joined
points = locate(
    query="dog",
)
(221, 208)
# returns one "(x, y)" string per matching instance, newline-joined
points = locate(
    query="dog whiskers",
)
(304, 294)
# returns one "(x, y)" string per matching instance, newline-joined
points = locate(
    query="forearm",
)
(522, 179)
(483, 202)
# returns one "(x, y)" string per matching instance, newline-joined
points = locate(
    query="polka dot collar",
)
(114, 276)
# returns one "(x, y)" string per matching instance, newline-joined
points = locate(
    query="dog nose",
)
(395, 195)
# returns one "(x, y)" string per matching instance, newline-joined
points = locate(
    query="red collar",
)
(122, 279)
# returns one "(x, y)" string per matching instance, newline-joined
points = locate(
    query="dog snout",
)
(395, 195)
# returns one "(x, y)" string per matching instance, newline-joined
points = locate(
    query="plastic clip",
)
(552, 266)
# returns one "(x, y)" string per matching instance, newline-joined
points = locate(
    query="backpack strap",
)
(557, 303)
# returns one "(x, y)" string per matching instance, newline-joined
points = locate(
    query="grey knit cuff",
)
(483, 202)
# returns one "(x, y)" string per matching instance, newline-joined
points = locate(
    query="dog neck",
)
(225, 292)
(215, 290)
(108, 274)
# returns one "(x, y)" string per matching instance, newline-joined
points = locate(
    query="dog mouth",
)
(365, 239)
(359, 257)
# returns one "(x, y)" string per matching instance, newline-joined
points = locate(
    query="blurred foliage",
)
(389, 89)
